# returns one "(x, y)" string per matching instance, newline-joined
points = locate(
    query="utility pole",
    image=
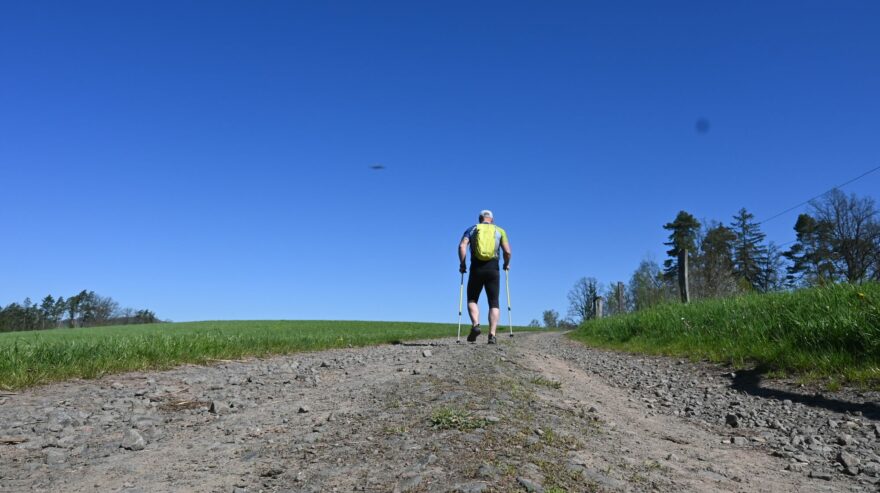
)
(683, 276)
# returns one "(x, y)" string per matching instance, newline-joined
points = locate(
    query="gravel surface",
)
(535, 413)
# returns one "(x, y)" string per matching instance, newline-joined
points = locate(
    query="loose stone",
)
(529, 485)
(133, 440)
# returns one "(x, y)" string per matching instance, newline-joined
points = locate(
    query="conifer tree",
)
(682, 236)
(714, 268)
(748, 249)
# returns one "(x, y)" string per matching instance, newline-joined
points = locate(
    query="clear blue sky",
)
(210, 160)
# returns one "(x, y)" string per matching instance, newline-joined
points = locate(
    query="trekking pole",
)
(507, 282)
(460, 296)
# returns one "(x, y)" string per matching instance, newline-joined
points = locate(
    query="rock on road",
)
(535, 413)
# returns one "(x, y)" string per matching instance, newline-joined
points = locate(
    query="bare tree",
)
(126, 315)
(581, 299)
(853, 225)
(772, 266)
(107, 309)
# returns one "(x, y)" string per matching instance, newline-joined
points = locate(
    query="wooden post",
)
(598, 307)
(683, 276)
(620, 307)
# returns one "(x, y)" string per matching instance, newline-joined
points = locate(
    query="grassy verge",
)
(33, 358)
(831, 333)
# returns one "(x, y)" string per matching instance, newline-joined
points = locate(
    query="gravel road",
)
(535, 413)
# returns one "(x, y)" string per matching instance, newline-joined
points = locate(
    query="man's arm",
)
(505, 247)
(462, 254)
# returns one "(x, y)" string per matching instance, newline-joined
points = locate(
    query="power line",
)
(786, 211)
(780, 245)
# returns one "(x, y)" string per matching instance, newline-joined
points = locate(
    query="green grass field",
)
(33, 358)
(828, 333)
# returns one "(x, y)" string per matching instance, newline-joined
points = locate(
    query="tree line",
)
(836, 240)
(85, 309)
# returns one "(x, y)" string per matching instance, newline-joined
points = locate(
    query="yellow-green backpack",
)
(484, 242)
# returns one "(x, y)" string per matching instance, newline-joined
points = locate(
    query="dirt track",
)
(535, 413)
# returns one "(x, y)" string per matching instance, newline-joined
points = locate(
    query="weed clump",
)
(547, 383)
(451, 418)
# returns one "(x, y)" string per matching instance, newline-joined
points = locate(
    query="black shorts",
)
(484, 278)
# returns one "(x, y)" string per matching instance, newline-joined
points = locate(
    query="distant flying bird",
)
(377, 167)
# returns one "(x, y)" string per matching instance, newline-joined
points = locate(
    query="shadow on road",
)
(749, 381)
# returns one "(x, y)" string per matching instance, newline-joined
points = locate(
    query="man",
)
(486, 240)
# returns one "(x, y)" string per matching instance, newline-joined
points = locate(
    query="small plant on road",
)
(395, 430)
(446, 418)
(547, 383)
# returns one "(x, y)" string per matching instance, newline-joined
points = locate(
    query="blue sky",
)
(210, 160)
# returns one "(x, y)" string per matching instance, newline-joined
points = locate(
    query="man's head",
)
(486, 216)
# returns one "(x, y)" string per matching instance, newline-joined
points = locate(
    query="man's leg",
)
(492, 289)
(494, 316)
(474, 312)
(475, 285)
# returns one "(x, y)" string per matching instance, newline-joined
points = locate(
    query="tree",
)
(73, 308)
(104, 309)
(58, 310)
(13, 317)
(47, 312)
(581, 299)
(713, 268)
(126, 316)
(551, 318)
(747, 249)
(534, 323)
(88, 308)
(30, 316)
(612, 301)
(145, 317)
(853, 232)
(95, 310)
(84, 309)
(648, 286)
(811, 257)
(876, 274)
(682, 237)
(770, 268)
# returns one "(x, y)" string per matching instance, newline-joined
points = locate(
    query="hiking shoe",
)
(475, 332)
(492, 339)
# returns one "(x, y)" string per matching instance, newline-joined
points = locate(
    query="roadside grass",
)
(827, 334)
(38, 357)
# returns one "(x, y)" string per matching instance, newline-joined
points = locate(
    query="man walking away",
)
(486, 241)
